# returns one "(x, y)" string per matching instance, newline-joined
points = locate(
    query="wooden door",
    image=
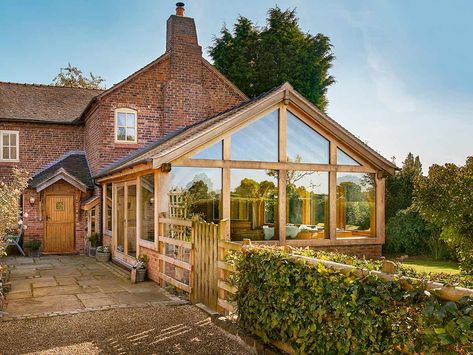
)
(59, 236)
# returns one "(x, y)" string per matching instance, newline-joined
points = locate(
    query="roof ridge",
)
(49, 85)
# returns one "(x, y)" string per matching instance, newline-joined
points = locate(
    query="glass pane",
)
(147, 207)
(253, 204)
(304, 145)
(344, 159)
(130, 134)
(13, 139)
(121, 134)
(307, 205)
(121, 219)
(108, 203)
(92, 221)
(213, 152)
(257, 141)
(120, 119)
(13, 152)
(130, 120)
(6, 153)
(195, 191)
(6, 139)
(131, 220)
(356, 210)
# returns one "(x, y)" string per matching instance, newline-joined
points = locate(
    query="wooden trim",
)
(281, 222)
(242, 164)
(380, 206)
(304, 105)
(175, 262)
(157, 198)
(176, 242)
(62, 174)
(332, 205)
(127, 173)
(175, 283)
(226, 127)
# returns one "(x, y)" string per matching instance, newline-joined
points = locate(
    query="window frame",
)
(17, 134)
(126, 111)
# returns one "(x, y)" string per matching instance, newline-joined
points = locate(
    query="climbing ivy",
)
(319, 310)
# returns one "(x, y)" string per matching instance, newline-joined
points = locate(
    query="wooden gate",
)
(205, 238)
(59, 237)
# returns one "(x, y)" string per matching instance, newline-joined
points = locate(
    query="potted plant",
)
(138, 273)
(102, 254)
(33, 246)
(93, 243)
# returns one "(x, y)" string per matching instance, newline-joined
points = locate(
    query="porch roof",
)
(71, 167)
(285, 92)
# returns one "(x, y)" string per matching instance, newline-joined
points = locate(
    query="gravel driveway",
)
(151, 330)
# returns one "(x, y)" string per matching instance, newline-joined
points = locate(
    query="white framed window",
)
(9, 146)
(126, 126)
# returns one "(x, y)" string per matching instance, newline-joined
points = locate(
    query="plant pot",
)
(140, 275)
(34, 253)
(102, 257)
(92, 251)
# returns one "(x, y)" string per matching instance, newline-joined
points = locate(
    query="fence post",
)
(192, 275)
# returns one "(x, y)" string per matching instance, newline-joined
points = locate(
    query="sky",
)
(403, 68)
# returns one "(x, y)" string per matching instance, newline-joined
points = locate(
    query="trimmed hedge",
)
(318, 310)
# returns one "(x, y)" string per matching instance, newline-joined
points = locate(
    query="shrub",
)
(94, 240)
(318, 310)
(33, 244)
(407, 232)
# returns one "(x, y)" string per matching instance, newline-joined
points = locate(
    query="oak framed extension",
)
(347, 209)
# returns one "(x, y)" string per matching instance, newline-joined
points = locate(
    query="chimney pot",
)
(180, 9)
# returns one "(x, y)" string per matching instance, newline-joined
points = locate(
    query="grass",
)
(424, 264)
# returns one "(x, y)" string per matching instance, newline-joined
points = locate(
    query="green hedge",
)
(319, 310)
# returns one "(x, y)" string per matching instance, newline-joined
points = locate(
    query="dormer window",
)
(125, 126)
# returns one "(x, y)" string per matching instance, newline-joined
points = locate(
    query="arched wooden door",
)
(59, 236)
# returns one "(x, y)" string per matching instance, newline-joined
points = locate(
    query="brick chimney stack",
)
(184, 94)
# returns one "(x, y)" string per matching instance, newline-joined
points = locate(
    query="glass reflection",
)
(253, 204)
(304, 145)
(344, 159)
(213, 152)
(307, 205)
(195, 191)
(257, 141)
(147, 207)
(356, 212)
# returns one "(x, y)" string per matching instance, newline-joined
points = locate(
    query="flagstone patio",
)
(73, 283)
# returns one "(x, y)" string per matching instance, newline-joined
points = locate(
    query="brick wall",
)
(176, 91)
(41, 144)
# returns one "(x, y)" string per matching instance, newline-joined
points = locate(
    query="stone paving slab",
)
(52, 284)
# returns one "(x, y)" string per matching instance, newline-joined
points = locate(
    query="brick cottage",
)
(177, 139)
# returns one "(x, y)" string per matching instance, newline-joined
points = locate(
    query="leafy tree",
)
(400, 187)
(445, 199)
(72, 77)
(258, 59)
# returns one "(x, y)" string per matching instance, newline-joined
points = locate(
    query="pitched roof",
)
(144, 154)
(72, 165)
(43, 103)
(167, 144)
